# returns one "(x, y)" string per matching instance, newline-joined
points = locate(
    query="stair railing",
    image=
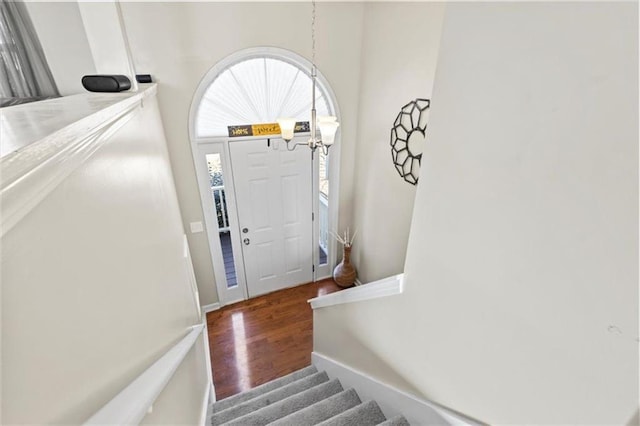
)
(135, 401)
(389, 286)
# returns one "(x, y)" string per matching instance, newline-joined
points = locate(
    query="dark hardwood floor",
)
(261, 339)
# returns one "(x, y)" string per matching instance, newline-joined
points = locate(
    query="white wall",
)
(95, 287)
(64, 41)
(523, 252)
(399, 51)
(177, 43)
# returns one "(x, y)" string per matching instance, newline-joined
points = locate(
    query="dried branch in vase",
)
(346, 239)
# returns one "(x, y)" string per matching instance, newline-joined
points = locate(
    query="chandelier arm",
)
(289, 148)
(293, 146)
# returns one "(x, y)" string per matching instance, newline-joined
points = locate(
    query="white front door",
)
(274, 203)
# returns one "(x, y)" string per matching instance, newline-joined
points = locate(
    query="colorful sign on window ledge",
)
(265, 129)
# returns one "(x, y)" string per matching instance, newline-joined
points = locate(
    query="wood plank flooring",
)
(261, 339)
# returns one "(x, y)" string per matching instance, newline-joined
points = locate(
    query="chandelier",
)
(328, 125)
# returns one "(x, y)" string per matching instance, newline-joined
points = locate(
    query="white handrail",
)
(389, 286)
(133, 402)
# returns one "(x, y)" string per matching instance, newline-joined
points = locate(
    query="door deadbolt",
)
(245, 230)
(246, 241)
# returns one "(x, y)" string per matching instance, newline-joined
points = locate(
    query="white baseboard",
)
(392, 401)
(210, 308)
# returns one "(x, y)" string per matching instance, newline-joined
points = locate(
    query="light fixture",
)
(327, 125)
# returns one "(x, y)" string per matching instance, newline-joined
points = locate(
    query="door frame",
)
(220, 145)
(320, 272)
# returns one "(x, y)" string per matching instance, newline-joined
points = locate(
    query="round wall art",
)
(407, 139)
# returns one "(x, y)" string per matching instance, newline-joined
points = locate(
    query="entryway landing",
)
(261, 339)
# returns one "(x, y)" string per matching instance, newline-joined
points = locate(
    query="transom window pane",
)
(258, 90)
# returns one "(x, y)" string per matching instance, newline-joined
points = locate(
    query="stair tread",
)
(268, 398)
(365, 414)
(396, 421)
(289, 405)
(225, 403)
(321, 410)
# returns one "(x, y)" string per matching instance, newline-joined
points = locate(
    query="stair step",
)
(322, 410)
(365, 414)
(223, 404)
(396, 421)
(289, 405)
(268, 398)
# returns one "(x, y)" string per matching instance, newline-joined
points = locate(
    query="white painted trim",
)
(127, 47)
(226, 295)
(324, 277)
(191, 276)
(315, 223)
(31, 173)
(385, 287)
(392, 401)
(132, 403)
(234, 231)
(204, 408)
(210, 308)
(335, 154)
(207, 361)
(209, 217)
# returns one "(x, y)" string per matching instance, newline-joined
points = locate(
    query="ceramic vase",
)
(344, 273)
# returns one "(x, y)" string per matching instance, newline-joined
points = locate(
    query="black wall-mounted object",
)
(412, 118)
(106, 83)
(143, 78)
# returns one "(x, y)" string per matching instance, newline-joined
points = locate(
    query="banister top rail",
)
(133, 402)
(389, 286)
(56, 120)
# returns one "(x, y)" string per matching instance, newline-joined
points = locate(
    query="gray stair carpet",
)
(268, 398)
(269, 386)
(305, 397)
(396, 421)
(322, 410)
(365, 414)
(289, 405)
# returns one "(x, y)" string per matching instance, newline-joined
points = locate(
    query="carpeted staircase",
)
(304, 397)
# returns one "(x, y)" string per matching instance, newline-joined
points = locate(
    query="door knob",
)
(246, 241)
(245, 230)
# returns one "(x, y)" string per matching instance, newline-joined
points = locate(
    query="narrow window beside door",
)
(216, 179)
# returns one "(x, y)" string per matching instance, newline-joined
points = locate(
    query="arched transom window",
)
(257, 90)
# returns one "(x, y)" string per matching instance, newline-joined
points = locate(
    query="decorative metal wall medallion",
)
(405, 150)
